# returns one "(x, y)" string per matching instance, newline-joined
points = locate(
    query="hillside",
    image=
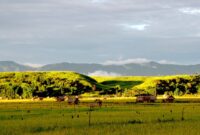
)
(52, 84)
(133, 85)
(28, 84)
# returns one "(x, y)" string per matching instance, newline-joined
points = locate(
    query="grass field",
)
(118, 118)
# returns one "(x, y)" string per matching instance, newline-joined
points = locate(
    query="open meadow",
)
(117, 117)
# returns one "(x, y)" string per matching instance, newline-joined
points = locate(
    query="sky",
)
(38, 32)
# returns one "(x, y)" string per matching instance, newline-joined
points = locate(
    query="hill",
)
(43, 84)
(6, 66)
(133, 85)
(145, 69)
(132, 69)
(52, 84)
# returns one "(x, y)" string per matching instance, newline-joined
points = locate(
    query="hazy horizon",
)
(139, 61)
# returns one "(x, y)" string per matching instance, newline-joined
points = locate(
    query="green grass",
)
(120, 78)
(122, 84)
(125, 82)
(117, 118)
(132, 82)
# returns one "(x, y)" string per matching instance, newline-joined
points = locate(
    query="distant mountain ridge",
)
(6, 66)
(143, 69)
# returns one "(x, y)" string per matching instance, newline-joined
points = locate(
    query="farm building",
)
(145, 98)
(168, 99)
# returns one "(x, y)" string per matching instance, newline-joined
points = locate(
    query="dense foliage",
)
(179, 86)
(43, 84)
(175, 85)
(134, 85)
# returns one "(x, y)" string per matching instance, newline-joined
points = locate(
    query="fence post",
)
(90, 110)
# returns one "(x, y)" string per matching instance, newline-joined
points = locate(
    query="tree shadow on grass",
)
(122, 84)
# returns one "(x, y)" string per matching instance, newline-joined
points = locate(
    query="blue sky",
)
(100, 31)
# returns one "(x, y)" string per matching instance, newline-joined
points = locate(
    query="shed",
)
(145, 98)
(168, 99)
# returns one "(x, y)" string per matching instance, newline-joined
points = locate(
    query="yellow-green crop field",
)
(113, 118)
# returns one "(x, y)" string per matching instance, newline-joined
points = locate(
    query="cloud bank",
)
(191, 11)
(127, 61)
(135, 61)
(33, 65)
(103, 73)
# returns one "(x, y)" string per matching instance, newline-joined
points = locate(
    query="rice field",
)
(116, 118)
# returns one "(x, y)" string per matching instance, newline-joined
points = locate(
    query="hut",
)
(145, 98)
(37, 98)
(60, 98)
(70, 100)
(168, 99)
(96, 103)
(99, 102)
(76, 100)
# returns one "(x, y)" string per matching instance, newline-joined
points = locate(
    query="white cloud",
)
(166, 62)
(103, 73)
(33, 65)
(127, 61)
(141, 61)
(192, 11)
(139, 27)
(154, 67)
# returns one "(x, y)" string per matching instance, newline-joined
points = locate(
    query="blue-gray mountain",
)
(144, 69)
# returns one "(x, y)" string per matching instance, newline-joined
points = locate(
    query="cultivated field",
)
(118, 117)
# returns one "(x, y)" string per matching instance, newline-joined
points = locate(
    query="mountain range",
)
(136, 69)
